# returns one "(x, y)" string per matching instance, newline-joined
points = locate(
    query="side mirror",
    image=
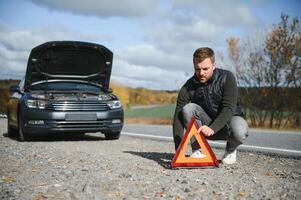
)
(15, 88)
(110, 90)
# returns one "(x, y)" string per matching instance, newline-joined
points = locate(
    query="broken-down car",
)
(66, 90)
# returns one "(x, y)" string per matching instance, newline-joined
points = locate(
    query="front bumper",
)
(72, 121)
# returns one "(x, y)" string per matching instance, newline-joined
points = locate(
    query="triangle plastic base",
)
(180, 160)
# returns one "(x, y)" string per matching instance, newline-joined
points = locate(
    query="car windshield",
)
(67, 86)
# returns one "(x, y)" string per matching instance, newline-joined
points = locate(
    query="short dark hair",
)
(202, 53)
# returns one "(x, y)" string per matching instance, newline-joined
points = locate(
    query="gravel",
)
(89, 167)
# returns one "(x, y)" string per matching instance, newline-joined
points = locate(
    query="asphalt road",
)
(267, 141)
(270, 141)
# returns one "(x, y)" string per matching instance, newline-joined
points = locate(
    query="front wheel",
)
(112, 135)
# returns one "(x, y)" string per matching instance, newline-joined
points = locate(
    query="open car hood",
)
(70, 60)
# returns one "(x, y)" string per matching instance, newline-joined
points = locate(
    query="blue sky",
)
(152, 40)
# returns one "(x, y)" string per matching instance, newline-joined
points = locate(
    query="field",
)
(163, 115)
(158, 114)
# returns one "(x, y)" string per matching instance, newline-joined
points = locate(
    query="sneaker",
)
(229, 158)
(197, 154)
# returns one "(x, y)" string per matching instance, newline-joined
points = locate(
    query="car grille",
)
(82, 124)
(78, 106)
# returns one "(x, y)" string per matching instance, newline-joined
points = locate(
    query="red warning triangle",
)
(181, 160)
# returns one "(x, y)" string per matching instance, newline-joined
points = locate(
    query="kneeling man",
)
(210, 96)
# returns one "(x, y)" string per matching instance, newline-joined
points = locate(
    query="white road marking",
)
(148, 136)
(216, 143)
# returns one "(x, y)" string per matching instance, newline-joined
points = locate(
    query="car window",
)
(66, 86)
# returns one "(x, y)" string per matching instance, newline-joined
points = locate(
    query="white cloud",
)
(7, 54)
(181, 40)
(195, 23)
(147, 55)
(224, 13)
(192, 24)
(102, 8)
(15, 45)
(25, 40)
(151, 77)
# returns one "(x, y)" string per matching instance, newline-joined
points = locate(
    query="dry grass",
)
(156, 121)
(288, 127)
(169, 121)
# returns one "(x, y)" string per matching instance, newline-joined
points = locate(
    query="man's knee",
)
(188, 111)
(239, 128)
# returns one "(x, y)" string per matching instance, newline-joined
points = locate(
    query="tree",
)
(269, 71)
(282, 50)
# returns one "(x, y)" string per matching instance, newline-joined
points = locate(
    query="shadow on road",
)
(163, 159)
(61, 137)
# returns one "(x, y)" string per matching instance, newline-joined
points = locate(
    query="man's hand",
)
(207, 131)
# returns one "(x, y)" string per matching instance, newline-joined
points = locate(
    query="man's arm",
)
(178, 129)
(229, 102)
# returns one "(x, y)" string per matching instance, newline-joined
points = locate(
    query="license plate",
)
(80, 117)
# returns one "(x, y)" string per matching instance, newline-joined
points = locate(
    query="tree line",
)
(143, 96)
(128, 96)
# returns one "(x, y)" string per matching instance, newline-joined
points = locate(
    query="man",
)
(211, 97)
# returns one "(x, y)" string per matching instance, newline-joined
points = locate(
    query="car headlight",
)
(103, 97)
(114, 104)
(32, 103)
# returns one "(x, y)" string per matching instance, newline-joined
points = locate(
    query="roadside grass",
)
(160, 111)
(163, 115)
(157, 114)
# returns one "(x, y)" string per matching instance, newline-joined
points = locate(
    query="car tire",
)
(112, 135)
(22, 136)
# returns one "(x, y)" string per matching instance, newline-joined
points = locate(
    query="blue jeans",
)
(235, 132)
